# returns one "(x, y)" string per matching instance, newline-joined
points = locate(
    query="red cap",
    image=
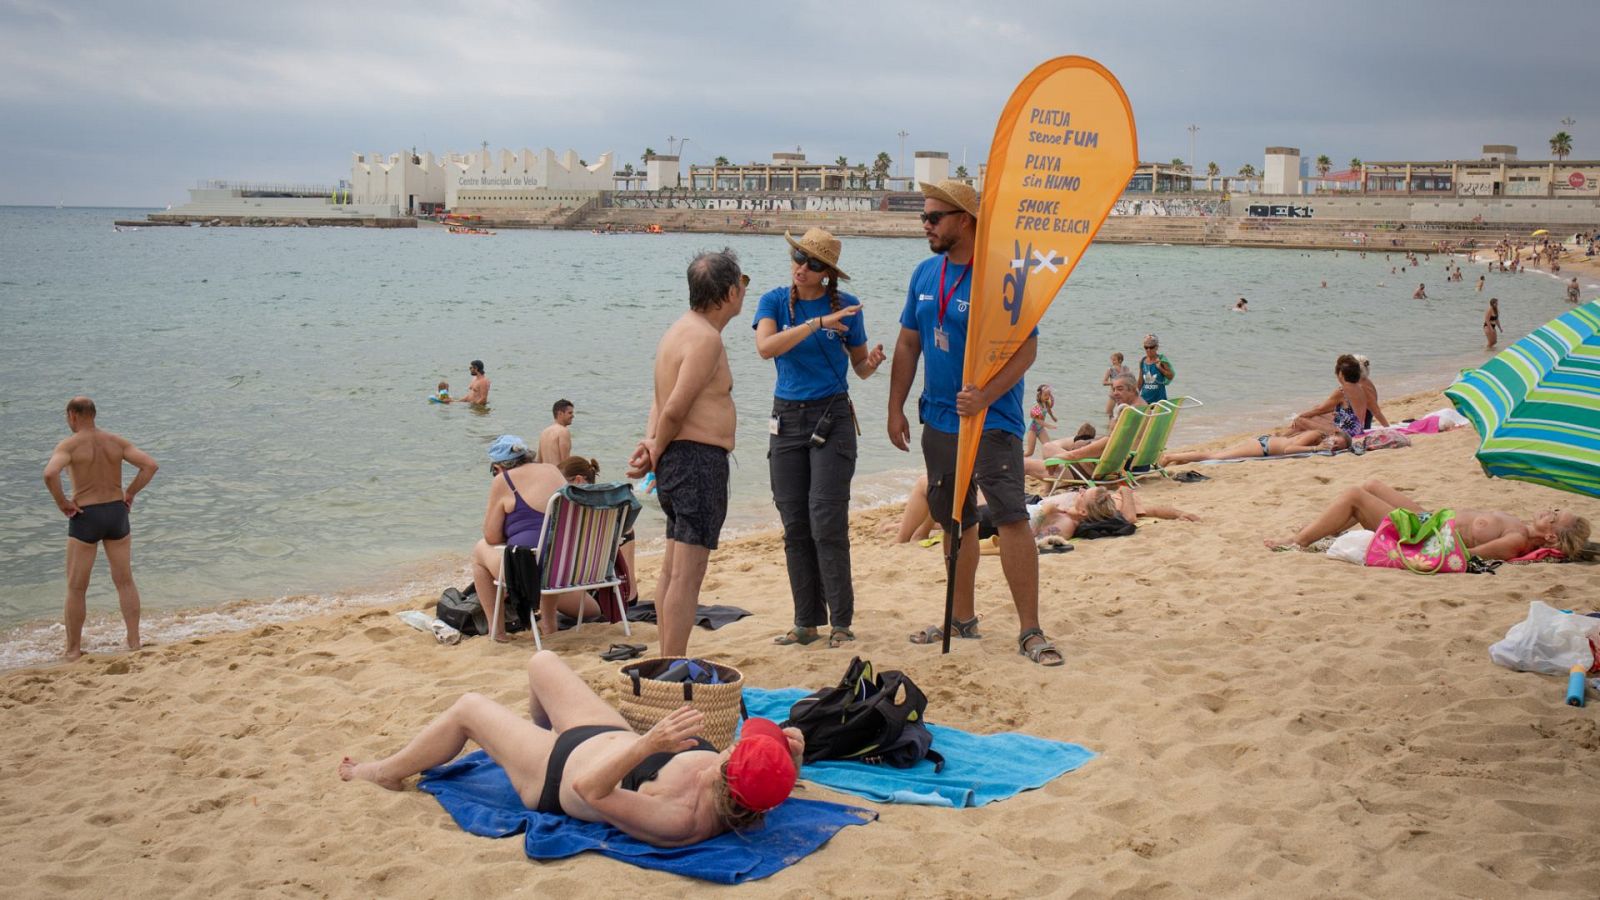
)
(761, 772)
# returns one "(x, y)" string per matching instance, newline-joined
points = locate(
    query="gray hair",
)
(1131, 381)
(712, 275)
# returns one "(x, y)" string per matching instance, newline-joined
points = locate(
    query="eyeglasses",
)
(937, 216)
(803, 259)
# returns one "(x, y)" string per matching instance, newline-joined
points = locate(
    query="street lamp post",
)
(1193, 160)
(900, 164)
(683, 142)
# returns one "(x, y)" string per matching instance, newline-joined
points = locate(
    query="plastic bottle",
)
(1575, 686)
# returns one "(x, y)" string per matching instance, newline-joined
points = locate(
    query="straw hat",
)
(820, 244)
(956, 193)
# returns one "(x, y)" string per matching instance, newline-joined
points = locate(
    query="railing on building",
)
(269, 189)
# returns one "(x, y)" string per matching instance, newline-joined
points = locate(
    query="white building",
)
(930, 166)
(1281, 172)
(416, 182)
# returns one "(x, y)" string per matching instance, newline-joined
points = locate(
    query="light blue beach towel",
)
(978, 768)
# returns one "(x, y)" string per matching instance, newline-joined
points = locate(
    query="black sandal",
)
(933, 634)
(620, 652)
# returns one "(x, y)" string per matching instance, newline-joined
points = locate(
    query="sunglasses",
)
(744, 280)
(937, 216)
(1152, 346)
(802, 259)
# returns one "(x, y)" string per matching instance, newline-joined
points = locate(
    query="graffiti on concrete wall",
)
(1169, 206)
(1279, 211)
(750, 203)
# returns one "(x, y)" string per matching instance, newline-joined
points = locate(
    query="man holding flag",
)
(934, 327)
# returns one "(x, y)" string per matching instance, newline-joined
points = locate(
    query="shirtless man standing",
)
(555, 441)
(477, 391)
(689, 437)
(97, 512)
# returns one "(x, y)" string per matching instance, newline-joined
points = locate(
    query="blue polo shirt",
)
(818, 366)
(941, 373)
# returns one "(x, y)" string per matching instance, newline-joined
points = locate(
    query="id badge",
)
(941, 340)
(772, 425)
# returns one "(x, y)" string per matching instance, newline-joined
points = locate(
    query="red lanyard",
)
(944, 299)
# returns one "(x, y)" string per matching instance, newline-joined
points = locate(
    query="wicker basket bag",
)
(646, 701)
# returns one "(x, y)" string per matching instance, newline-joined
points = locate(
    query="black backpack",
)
(461, 611)
(871, 718)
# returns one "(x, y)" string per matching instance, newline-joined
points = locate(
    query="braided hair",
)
(834, 304)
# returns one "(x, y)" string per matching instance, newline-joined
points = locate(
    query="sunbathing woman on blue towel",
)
(578, 757)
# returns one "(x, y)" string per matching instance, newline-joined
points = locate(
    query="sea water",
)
(280, 376)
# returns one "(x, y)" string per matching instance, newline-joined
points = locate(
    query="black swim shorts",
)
(692, 485)
(99, 522)
(998, 471)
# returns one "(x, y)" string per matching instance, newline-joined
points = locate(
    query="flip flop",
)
(620, 652)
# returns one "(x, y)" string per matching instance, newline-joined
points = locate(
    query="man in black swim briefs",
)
(688, 439)
(97, 514)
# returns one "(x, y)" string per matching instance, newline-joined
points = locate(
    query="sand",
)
(1268, 724)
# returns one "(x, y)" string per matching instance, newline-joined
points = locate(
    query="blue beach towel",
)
(479, 796)
(978, 768)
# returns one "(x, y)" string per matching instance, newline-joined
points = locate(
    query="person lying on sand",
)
(1487, 534)
(1061, 514)
(1264, 445)
(578, 757)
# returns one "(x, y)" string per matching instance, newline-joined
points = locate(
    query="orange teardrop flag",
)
(1062, 153)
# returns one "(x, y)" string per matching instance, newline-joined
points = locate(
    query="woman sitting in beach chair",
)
(1265, 445)
(578, 757)
(1485, 533)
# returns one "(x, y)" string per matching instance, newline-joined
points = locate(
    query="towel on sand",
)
(978, 768)
(479, 796)
(711, 616)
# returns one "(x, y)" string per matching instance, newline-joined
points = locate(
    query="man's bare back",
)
(691, 358)
(555, 444)
(94, 463)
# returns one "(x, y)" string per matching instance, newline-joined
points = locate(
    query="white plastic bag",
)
(1352, 546)
(1548, 641)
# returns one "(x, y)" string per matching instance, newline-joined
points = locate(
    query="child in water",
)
(443, 396)
(1044, 402)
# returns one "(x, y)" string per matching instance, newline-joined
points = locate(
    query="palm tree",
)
(842, 163)
(721, 161)
(1247, 172)
(627, 169)
(1324, 165)
(1355, 163)
(1177, 163)
(649, 154)
(1561, 145)
(880, 169)
(861, 175)
(961, 172)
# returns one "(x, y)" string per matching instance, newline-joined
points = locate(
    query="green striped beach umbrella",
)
(1536, 405)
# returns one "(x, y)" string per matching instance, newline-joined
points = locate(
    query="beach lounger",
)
(1111, 466)
(1152, 442)
(583, 527)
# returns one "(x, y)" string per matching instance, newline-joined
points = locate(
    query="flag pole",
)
(952, 540)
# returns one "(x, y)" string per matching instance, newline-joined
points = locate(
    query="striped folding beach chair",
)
(583, 527)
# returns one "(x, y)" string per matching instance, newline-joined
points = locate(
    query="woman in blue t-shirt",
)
(814, 333)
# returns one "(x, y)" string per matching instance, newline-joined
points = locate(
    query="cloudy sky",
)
(129, 103)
